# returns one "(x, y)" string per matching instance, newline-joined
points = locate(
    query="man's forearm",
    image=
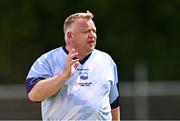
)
(116, 114)
(46, 88)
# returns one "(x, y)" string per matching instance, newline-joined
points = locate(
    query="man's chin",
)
(92, 48)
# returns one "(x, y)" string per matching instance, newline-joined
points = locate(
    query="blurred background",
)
(142, 36)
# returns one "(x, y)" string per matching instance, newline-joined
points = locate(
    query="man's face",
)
(84, 36)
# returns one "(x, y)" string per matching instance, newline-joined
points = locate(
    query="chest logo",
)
(83, 75)
(84, 78)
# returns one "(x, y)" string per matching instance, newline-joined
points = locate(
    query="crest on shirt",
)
(83, 75)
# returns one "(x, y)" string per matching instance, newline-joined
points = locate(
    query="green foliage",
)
(130, 31)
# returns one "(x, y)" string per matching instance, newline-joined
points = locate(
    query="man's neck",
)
(83, 59)
(80, 56)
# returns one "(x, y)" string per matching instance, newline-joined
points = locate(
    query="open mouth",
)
(91, 41)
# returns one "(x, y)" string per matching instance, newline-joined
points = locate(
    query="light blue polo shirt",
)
(89, 94)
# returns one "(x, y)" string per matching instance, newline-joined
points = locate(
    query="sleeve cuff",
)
(116, 103)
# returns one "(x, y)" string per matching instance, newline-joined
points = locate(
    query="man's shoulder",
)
(101, 53)
(52, 52)
(55, 50)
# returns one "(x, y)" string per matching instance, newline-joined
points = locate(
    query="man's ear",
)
(69, 35)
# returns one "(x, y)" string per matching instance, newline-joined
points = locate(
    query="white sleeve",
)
(114, 93)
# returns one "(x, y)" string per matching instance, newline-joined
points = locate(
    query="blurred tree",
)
(129, 31)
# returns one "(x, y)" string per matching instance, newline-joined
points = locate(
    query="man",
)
(76, 81)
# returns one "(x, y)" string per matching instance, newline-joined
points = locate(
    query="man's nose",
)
(91, 34)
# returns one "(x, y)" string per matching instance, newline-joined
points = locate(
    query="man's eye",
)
(85, 31)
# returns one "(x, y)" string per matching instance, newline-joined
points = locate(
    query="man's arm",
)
(48, 87)
(115, 114)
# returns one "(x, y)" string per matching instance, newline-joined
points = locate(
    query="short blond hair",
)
(73, 17)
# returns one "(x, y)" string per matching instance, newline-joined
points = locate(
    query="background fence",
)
(158, 101)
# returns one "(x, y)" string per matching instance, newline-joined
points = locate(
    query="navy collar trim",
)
(81, 61)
